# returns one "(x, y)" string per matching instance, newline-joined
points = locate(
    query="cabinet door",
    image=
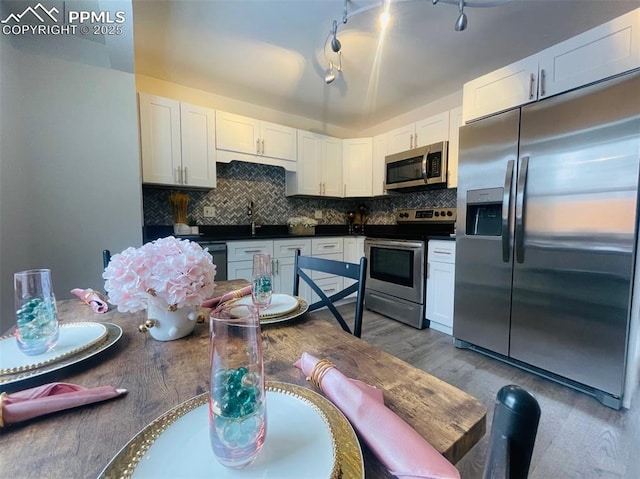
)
(440, 287)
(328, 285)
(240, 270)
(307, 180)
(455, 122)
(401, 139)
(237, 133)
(198, 133)
(160, 139)
(357, 158)
(277, 141)
(332, 167)
(286, 248)
(378, 167)
(500, 90)
(594, 55)
(432, 130)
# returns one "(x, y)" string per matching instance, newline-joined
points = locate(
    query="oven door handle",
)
(408, 247)
(425, 160)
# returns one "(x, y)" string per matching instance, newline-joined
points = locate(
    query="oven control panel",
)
(420, 215)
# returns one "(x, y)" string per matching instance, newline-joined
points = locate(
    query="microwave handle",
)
(425, 158)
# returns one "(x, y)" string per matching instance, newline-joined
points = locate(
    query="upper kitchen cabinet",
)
(425, 132)
(177, 143)
(599, 53)
(455, 122)
(319, 171)
(378, 165)
(357, 158)
(242, 138)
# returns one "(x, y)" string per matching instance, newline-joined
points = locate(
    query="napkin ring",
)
(2, 396)
(319, 371)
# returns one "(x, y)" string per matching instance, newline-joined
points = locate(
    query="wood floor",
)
(577, 436)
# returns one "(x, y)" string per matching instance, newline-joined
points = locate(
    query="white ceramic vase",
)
(169, 325)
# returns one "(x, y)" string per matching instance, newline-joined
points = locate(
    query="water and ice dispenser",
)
(484, 212)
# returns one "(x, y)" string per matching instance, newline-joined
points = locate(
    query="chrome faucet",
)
(251, 220)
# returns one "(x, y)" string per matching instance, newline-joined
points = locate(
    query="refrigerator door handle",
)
(522, 183)
(506, 210)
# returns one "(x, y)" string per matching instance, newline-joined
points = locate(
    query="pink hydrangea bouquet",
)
(176, 271)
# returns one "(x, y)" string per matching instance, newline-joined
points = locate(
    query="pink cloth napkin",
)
(93, 298)
(238, 293)
(48, 398)
(405, 453)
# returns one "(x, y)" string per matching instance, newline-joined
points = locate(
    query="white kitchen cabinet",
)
(599, 53)
(177, 142)
(353, 252)
(357, 159)
(378, 166)
(455, 122)
(319, 169)
(327, 248)
(284, 251)
(255, 140)
(240, 257)
(424, 132)
(440, 284)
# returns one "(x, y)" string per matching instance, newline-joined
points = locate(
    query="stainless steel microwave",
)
(420, 168)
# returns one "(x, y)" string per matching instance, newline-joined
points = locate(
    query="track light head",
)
(331, 74)
(461, 22)
(335, 43)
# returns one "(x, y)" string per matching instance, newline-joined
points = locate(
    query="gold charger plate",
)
(302, 308)
(139, 452)
(113, 334)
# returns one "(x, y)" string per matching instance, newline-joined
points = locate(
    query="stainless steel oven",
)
(397, 264)
(395, 279)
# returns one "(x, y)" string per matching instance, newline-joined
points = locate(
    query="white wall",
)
(70, 181)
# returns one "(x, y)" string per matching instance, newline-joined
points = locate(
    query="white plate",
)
(74, 337)
(281, 304)
(305, 434)
(114, 333)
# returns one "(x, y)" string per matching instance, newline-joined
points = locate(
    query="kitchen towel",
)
(48, 398)
(238, 293)
(399, 447)
(93, 298)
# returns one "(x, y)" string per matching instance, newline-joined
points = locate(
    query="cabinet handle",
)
(277, 266)
(532, 82)
(258, 146)
(441, 252)
(324, 188)
(253, 251)
(184, 177)
(262, 150)
(176, 175)
(328, 245)
(411, 141)
(542, 81)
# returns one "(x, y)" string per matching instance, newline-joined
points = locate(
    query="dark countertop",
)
(211, 233)
(222, 233)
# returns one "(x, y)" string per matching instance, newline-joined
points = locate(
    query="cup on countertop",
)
(37, 327)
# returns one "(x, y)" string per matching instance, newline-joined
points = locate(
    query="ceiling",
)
(271, 53)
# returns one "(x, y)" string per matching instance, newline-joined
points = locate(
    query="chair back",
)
(106, 257)
(513, 434)
(354, 271)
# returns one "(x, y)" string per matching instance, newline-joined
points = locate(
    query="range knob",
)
(449, 213)
(436, 214)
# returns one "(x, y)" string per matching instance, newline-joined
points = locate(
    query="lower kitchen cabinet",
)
(327, 248)
(353, 251)
(441, 257)
(284, 252)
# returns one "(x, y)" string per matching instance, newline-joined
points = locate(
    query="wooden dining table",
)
(159, 375)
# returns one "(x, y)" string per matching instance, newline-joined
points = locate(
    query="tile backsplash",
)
(240, 182)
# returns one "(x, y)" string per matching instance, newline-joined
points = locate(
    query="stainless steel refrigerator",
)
(546, 235)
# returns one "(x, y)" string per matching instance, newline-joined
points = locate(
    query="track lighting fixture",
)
(334, 69)
(335, 43)
(461, 22)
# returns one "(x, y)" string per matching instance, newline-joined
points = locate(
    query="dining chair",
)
(106, 257)
(302, 270)
(513, 434)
